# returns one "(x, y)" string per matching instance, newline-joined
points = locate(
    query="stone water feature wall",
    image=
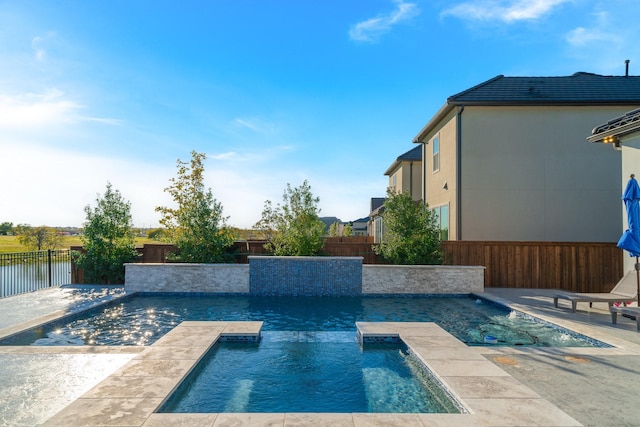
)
(305, 276)
(325, 276)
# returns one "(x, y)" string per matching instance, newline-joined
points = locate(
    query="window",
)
(395, 183)
(442, 219)
(378, 229)
(436, 153)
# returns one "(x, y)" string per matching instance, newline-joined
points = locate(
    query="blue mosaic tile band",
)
(305, 276)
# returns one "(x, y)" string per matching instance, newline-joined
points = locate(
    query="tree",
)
(348, 230)
(333, 230)
(6, 228)
(108, 239)
(39, 238)
(293, 228)
(156, 234)
(196, 225)
(411, 233)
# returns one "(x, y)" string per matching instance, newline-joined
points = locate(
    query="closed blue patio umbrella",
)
(630, 240)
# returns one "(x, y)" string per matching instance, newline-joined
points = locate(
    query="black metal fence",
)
(22, 272)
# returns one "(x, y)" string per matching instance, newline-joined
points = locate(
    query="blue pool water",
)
(309, 372)
(142, 319)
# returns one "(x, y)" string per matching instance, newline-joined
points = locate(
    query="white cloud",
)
(600, 33)
(55, 195)
(36, 110)
(506, 11)
(37, 44)
(255, 124)
(223, 156)
(372, 29)
(604, 43)
(25, 111)
(581, 36)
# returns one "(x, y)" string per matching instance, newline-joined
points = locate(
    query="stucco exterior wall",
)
(421, 279)
(630, 165)
(528, 173)
(414, 175)
(435, 191)
(408, 177)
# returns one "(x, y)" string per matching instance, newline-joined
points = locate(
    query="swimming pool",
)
(143, 318)
(309, 372)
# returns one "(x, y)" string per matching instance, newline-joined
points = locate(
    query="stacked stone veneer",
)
(175, 277)
(332, 278)
(305, 276)
(422, 279)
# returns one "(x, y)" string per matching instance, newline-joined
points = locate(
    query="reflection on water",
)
(141, 320)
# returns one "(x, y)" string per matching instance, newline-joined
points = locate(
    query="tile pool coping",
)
(130, 395)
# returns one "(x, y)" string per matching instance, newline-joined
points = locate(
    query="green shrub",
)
(196, 225)
(108, 239)
(411, 233)
(293, 228)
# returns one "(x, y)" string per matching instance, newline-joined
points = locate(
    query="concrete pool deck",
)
(573, 386)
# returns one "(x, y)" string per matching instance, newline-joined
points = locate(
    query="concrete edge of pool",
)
(130, 395)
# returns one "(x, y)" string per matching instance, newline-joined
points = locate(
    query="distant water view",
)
(29, 271)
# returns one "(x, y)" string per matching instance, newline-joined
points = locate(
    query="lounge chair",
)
(624, 291)
(627, 312)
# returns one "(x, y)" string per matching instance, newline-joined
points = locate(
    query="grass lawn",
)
(10, 243)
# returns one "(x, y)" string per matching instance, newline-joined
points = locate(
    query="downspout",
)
(459, 173)
(424, 172)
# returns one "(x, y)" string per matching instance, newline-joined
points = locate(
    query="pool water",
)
(309, 372)
(142, 319)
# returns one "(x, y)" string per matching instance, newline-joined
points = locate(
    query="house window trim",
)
(435, 155)
(438, 211)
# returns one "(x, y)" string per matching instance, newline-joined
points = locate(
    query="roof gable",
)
(578, 89)
(413, 155)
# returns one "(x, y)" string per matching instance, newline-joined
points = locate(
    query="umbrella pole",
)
(638, 280)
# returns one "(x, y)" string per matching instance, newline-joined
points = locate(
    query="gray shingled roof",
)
(415, 154)
(578, 89)
(377, 202)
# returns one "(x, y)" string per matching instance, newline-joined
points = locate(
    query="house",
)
(506, 160)
(376, 227)
(359, 227)
(623, 134)
(405, 173)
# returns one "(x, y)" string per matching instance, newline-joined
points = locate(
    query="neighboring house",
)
(506, 160)
(376, 227)
(405, 173)
(623, 134)
(360, 226)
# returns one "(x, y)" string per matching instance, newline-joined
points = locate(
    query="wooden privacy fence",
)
(574, 266)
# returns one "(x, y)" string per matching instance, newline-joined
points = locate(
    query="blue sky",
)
(274, 92)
